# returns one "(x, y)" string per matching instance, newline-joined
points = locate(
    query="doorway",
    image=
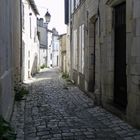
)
(120, 82)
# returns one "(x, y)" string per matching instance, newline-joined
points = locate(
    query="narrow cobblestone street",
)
(55, 110)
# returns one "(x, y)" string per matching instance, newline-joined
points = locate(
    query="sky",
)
(56, 9)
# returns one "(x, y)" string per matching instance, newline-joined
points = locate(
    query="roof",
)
(33, 5)
(62, 34)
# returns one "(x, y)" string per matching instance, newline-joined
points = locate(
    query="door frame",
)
(122, 106)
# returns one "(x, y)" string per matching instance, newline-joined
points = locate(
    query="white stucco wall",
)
(30, 51)
(49, 49)
(42, 56)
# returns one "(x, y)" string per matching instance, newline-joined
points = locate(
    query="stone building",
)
(55, 48)
(104, 39)
(63, 53)
(45, 41)
(30, 42)
(49, 45)
(10, 53)
(43, 50)
(68, 36)
(49, 48)
(17, 40)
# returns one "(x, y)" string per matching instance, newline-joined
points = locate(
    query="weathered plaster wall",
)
(87, 14)
(30, 49)
(5, 58)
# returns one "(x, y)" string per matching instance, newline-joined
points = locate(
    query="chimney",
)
(41, 22)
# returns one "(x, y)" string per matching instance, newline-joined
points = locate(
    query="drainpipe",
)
(99, 29)
(21, 66)
(98, 92)
(0, 97)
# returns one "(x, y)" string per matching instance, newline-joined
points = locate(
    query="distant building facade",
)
(30, 42)
(49, 48)
(43, 50)
(63, 53)
(49, 45)
(104, 40)
(55, 48)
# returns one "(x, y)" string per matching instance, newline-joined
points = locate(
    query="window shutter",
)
(83, 49)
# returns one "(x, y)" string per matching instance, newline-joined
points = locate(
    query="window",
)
(38, 33)
(30, 27)
(28, 64)
(77, 2)
(35, 35)
(28, 53)
(66, 11)
(75, 49)
(81, 48)
(72, 6)
(23, 21)
(51, 56)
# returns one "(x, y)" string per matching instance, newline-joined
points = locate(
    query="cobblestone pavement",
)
(55, 111)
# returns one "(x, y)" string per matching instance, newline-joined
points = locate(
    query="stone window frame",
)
(113, 3)
(76, 4)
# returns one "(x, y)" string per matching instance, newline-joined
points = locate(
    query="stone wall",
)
(98, 76)
(63, 53)
(30, 43)
(82, 16)
(41, 28)
(132, 112)
(133, 42)
(17, 40)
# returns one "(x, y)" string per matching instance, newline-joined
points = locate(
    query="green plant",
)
(65, 75)
(20, 92)
(6, 132)
(43, 66)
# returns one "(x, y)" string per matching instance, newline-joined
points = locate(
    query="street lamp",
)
(47, 18)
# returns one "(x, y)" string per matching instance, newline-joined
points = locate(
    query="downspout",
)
(0, 97)
(99, 29)
(71, 40)
(21, 66)
(94, 55)
(97, 92)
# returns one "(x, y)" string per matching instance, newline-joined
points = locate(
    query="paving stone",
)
(137, 137)
(51, 112)
(43, 133)
(45, 137)
(57, 135)
(128, 138)
(41, 128)
(67, 134)
(30, 135)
